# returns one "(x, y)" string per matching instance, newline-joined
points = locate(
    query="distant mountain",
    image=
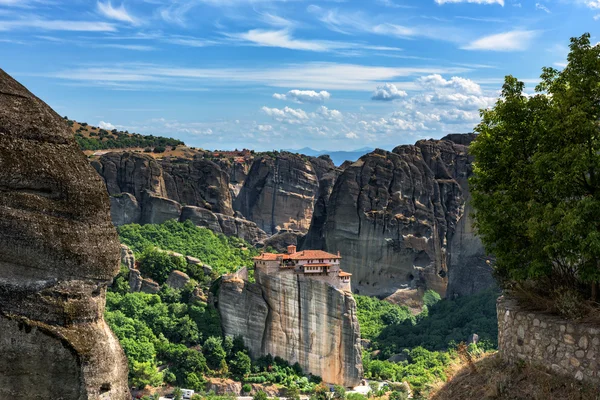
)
(338, 157)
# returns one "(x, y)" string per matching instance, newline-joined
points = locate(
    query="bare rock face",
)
(159, 209)
(201, 217)
(395, 216)
(298, 319)
(198, 182)
(279, 193)
(125, 209)
(58, 253)
(281, 240)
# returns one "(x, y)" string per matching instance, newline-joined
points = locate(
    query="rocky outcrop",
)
(201, 217)
(159, 209)
(197, 182)
(399, 220)
(279, 193)
(59, 252)
(298, 319)
(125, 209)
(177, 279)
(127, 257)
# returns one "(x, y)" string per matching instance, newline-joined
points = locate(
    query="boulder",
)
(135, 280)
(124, 209)
(201, 217)
(192, 260)
(149, 286)
(59, 252)
(177, 279)
(127, 257)
(157, 210)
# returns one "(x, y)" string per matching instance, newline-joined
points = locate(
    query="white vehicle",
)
(187, 394)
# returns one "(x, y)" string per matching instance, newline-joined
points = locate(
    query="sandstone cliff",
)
(58, 253)
(197, 182)
(148, 191)
(400, 220)
(279, 192)
(298, 319)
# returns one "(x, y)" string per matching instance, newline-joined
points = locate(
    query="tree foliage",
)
(223, 253)
(536, 188)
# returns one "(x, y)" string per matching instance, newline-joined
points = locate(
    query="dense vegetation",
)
(422, 346)
(174, 337)
(92, 138)
(536, 187)
(222, 253)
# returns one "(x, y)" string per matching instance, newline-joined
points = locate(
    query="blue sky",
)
(270, 74)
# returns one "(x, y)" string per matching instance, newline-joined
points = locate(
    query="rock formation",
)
(298, 319)
(58, 253)
(197, 182)
(279, 193)
(399, 218)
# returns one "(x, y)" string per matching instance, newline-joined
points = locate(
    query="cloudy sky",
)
(270, 74)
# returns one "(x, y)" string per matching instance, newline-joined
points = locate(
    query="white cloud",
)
(304, 96)
(593, 4)
(312, 75)
(388, 92)
(351, 135)
(501, 2)
(56, 25)
(461, 84)
(517, 40)
(286, 115)
(106, 125)
(264, 128)
(116, 13)
(283, 39)
(542, 7)
(328, 114)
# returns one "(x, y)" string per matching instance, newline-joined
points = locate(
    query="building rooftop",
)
(300, 255)
(345, 274)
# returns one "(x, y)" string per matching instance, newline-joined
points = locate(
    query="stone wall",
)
(566, 347)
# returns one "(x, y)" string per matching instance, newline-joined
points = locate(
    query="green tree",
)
(260, 395)
(339, 393)
(177, 394)
(240, 366)
(145, 374)
(395, 395)
(536, 188)
(214, 352)
(292, 392)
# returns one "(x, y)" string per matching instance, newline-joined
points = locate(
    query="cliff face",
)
(279, 193)
(148, 191)
(198, 182)
(58, 253)
(399, 220)
(297, 319)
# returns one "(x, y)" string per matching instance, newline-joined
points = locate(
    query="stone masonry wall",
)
(566, 347)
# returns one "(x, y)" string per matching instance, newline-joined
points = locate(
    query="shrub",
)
(247, 388)
(260, 395)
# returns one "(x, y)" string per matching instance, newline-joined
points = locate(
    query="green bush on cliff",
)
(224, 254)
(537, 179)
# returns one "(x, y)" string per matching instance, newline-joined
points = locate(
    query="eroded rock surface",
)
(298, 319)
(58, 253)
(399, 220)
(279, 193)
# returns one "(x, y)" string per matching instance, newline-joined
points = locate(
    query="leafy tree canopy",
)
(536, 188)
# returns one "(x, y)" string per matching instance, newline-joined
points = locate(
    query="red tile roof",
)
(300, 255)
(313, 255)
(344, 274)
